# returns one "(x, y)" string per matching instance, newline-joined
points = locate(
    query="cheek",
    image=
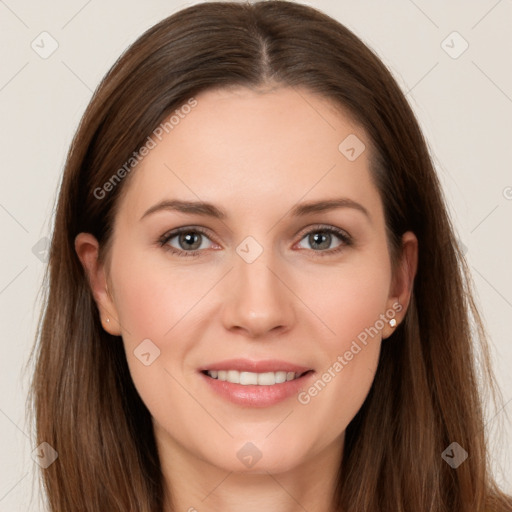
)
(148, 307)
(350, 303)
(151, 299)
(349, 298)
(160, 303)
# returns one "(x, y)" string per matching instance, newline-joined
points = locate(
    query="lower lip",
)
(257, 396)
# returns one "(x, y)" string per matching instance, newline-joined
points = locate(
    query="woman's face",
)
(282, 268)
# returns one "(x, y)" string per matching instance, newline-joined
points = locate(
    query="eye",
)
(186, 241)
(321, 239)
(191, 241)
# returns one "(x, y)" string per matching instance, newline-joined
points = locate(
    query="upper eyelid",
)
(185, 229)
(322, 227)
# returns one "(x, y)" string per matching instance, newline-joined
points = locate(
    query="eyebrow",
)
(210, 210)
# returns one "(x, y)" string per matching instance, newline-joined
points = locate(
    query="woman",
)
(256, 299)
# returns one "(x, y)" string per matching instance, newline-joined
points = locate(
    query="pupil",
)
(317, 239)
(190, 240)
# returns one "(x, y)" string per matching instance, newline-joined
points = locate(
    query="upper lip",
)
(248, 365)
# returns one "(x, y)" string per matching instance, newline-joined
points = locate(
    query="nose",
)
(258, 300)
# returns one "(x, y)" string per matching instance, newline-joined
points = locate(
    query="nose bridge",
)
(259, 301)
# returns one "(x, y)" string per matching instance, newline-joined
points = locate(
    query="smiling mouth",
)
(252, 378)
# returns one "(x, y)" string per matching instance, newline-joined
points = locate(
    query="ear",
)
(87, 248)
(403, 280)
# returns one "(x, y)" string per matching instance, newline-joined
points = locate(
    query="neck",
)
(195, 485)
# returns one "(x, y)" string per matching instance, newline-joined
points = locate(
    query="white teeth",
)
(267, 379)
(248, 378)
(281, 377)
(251, 378)
(233, 376)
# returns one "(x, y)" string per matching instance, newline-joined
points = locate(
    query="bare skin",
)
(304, 299)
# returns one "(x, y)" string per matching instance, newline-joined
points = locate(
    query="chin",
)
(259, 457)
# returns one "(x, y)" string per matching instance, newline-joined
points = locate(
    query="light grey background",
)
(464, 105)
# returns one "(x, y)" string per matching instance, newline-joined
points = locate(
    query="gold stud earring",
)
(392, 322)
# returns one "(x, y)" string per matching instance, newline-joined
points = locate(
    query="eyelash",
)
(342, 235)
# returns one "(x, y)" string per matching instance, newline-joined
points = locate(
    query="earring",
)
(392, 322)
(108, 320)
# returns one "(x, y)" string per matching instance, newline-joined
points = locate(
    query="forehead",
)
(251, 149)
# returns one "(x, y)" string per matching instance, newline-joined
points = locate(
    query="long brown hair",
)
(426, 393)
